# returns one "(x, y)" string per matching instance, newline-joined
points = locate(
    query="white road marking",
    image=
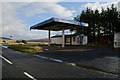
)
(6, 59)
(29, 76)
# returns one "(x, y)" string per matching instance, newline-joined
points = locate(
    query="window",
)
(74, 38)
(115, 43)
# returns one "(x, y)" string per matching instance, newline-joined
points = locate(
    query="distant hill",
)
(2, 39)
(5, 38)
(39, 40)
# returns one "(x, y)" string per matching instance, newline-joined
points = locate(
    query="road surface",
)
(106, 59)
(22, 65)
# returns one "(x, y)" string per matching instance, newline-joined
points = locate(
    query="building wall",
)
(56, 40)
(74, 40)
(67, 40)
(81, 41)
(117, 40)
(85, 40)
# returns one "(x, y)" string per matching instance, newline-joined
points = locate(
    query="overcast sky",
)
(17, 16)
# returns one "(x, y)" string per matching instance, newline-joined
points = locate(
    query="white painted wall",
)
(74, 40)
(85, 40)
(67, 40)
(117, 40)
(56, 40)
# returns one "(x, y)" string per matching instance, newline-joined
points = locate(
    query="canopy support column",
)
(63, 38)
(49, 38)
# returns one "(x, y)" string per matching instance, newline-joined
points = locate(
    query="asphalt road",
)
(106, 59)
(22, 65)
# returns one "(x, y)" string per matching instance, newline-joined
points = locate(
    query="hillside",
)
(2, 39)
(5, 38)
(39, 40)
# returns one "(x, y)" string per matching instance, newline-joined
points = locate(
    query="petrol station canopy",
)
(57, 24)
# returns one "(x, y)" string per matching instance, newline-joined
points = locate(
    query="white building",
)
(70, 39)
(117, 40)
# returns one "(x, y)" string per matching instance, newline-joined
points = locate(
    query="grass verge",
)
(26, 48)
(28, 43)
(37, 43)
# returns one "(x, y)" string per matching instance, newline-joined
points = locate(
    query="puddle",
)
(46, 49)
(5, 46)
(57, 60)
(41, 57)
(73, 64)
(114, 57)
(18, 52)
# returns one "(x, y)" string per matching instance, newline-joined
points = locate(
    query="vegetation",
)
(102, 25)
(37, 43)
(28, 43)
(26, 48)
(24, 41)
(18, 41)
(21, 41)
(4, 40)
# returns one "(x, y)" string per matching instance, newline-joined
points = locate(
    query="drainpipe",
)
(63, 38)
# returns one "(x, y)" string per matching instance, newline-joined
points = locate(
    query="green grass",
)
(37, 43)
(12, 44)
(26, 48)
(28, 43)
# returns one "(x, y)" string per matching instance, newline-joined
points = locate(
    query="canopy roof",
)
(65, 35)
(56, 24)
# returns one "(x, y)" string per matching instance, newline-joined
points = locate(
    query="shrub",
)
(18, 41)
(24, 41)
(26, 48)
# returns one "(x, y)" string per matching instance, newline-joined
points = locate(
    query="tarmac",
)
(104, 59)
